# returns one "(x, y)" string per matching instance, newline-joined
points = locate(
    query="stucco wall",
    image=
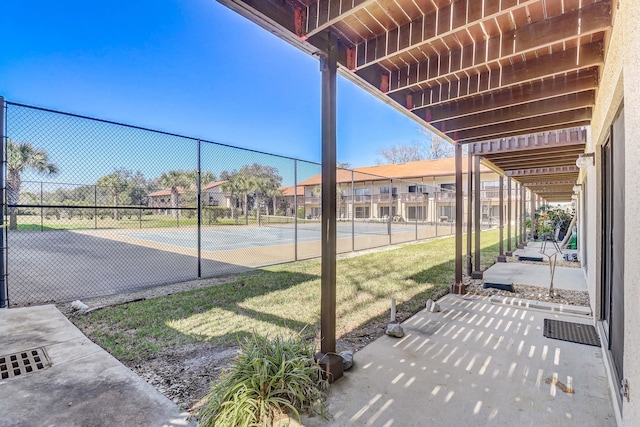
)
(621, 81)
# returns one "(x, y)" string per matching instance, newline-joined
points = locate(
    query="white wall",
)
(620, 81)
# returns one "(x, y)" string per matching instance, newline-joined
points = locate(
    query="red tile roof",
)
(409, 170)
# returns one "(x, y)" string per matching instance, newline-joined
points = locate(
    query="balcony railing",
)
(414, 197)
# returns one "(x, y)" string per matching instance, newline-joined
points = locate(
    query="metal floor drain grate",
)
(23, 362)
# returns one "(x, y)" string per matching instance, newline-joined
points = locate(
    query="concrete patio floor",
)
(477, 363)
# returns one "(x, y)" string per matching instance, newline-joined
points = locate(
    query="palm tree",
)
(22, 156)
(116, 182)
(176, 180)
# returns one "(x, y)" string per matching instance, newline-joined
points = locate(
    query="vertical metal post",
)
(458, 286)
(95, 207)
(509, 251)
(477, 274)
(523, 216)
(416, 208)
(328, 64)
(41, 208)
(501, 257)
(532, 215)
(353, 214)
(295, 210)
(523, 225)
(469, 212)
(390, 216)
(4, 291)
(199, 211)
(516, 217)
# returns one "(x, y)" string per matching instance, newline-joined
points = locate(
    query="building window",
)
(385, 190)
(416, 213)
(451, 187)
(362, 211)
(447, 213)
(384, 211)
(421, 188)
(362, 191)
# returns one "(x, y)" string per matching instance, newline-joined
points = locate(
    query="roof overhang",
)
(472, 71)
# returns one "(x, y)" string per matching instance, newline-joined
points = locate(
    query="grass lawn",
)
(283, 299)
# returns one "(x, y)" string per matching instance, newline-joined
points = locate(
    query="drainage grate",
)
(23, 362)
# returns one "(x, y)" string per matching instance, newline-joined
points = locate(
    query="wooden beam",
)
(544, 67)
(492, 52)
(514, 146)
(529, 125)
(521, 112)
(550, 183)
(542, 171)
(430, 27)
(521, 94)
(325, 13)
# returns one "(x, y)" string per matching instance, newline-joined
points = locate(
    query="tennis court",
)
(225, 238)
(62, 265)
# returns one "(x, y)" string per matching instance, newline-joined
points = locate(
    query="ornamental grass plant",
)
(269, 378)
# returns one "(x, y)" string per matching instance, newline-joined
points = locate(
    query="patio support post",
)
(509, 252)
(469, 212)
(477, 274)
(522, 230)
(516, 228)
(295, 209)
(458, 286)
(353, 215)
(533, 215)
(390, 216)
(501, 257)
(4, 294)
(327, 358)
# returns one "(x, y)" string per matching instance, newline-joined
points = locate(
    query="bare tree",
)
(403, 153)
(433, 148)
(438, 147)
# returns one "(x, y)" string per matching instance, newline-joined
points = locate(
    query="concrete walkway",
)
(480, 362)
(83, 385)
(474, 364)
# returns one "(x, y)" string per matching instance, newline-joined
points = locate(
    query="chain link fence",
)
(97, 208)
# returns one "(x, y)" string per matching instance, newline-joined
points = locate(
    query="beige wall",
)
(620, 81)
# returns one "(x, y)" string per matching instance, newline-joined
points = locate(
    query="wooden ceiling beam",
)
(523, 153)
(551, 184)
(511, 46)
(325, 13)
(542, 171)
(530, 125)
(448, 20)
(562, 140)
(545, 67)
(537, 90)
(534, 109)
(538, 162)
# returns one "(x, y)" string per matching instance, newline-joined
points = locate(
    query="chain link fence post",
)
(4, 291)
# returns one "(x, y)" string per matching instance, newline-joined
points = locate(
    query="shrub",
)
(270, 377)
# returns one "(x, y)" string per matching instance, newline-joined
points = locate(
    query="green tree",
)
(254, 181)
(176, 180)
(116, 182)
(20, 157)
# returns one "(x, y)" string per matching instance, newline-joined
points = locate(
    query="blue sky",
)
(191, 67)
